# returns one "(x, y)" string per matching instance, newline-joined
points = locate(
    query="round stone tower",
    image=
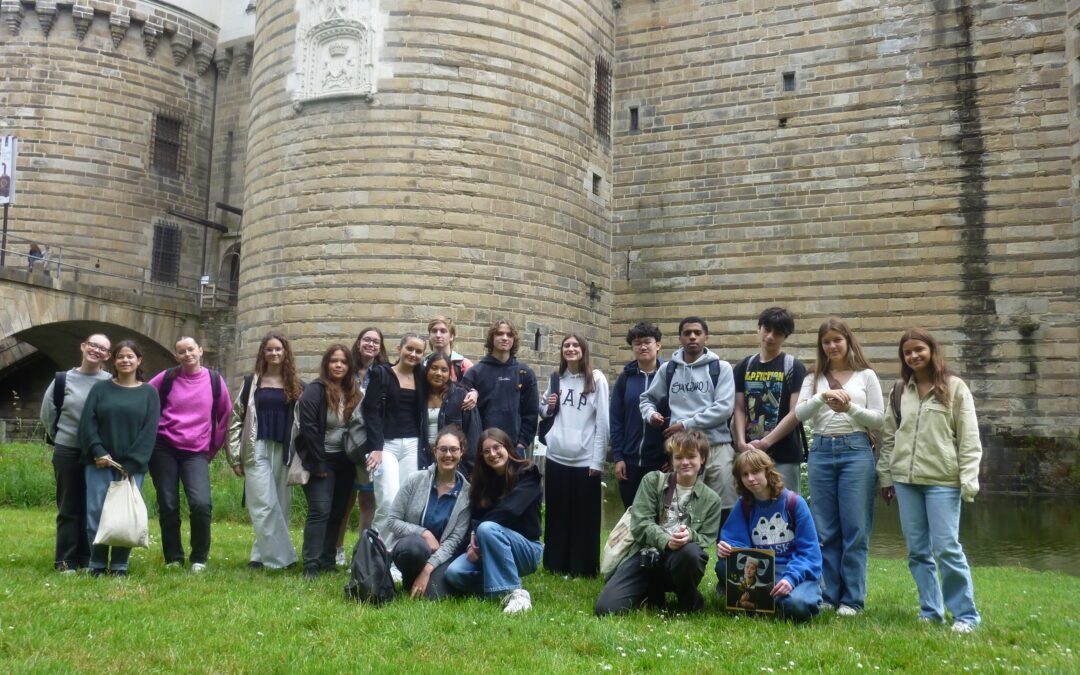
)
(112, 105)
(409, 158)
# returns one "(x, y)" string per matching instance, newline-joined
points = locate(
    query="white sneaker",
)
(963, 627)
(517, 600)
(395, 574)
(198, 568)
(826, 606)
(846, 610)
(339, 559)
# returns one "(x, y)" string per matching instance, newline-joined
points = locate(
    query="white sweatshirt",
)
(580, 434)
(867, 411)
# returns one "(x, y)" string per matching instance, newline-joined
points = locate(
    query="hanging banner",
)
(8, 156)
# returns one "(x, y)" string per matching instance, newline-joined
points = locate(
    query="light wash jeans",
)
(930, 518)
(842, 479)
(802, 603)
(269, 500)
(505, 557)
(398, 463)
(97, 486)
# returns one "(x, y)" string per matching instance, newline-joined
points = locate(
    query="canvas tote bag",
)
(123, 517)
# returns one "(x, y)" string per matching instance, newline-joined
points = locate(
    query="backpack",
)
(215, 391)
(789, 370)
(894, 400)
(369, 573)
(546, 423)
(459, 370)
(58, 392)
(790, 503)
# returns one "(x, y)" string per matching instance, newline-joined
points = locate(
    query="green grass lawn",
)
(235, 619)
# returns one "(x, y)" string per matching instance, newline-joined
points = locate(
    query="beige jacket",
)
(934, 444)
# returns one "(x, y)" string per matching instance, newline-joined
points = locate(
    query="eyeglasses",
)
(94, 347)
(488, 452)
(370, 341)
(447, 450)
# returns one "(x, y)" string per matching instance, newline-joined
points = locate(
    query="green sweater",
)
(120, 422)
(648, 509)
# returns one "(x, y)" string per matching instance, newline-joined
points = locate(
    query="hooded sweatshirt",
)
(633, 440)
(579, 435)
(508, 397)
(692, 398)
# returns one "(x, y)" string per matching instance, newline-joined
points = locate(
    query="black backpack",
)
(546, 423)
(369, 574)
(58, 393)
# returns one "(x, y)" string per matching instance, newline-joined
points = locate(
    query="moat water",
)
(1039, 533)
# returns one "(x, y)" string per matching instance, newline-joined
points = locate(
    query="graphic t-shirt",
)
(676, 514)
(768, 399)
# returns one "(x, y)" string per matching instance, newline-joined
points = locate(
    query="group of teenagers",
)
(434, 449)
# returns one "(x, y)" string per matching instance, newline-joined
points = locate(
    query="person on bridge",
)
(195, 408)
(61, 410)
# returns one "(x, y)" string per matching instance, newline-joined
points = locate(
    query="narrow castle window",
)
(596, 184)
(602, 99)
(165, 259)
(789, 81)
(168, 145)
(634, 123)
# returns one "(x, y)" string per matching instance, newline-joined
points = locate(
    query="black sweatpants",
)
(634, 474)
(410, 554)
(72, 545)
(633, 585)
(327, 498)
(571, 521)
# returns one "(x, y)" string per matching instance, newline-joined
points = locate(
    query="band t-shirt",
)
(768, 400)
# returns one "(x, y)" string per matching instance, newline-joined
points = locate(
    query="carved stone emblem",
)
(335, 50)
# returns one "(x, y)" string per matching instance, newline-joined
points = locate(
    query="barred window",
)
(165, 261)
(602, 99)
(168, 145)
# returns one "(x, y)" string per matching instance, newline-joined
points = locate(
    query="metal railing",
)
(64, 263)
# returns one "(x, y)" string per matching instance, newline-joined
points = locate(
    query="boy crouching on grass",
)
(673, 520)
(770, 517)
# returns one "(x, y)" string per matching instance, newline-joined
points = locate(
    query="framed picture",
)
(749, 579)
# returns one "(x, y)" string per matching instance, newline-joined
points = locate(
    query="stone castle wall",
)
(82, 85)
(918, 174)
(463, 186)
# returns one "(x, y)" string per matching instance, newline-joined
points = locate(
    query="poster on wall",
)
(8, 156)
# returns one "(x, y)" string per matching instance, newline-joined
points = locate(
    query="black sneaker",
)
(118, 573)
(255, 565)
(98, 571)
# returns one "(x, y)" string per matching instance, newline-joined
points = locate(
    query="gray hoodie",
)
(693, 399)
(77, 388)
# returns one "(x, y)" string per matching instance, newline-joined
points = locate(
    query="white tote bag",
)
(123, 517)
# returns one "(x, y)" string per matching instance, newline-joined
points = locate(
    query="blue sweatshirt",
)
(798, 556)
(633, 440)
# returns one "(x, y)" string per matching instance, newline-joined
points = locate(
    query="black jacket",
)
(519, 510)
(633, 440)
(379, 396)
(310, 441)
(509, 399)
(450, 413)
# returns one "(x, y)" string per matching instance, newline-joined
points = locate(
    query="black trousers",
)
(72, 544)
(169, 468)
(571, 520)
(410, 554)
(327, 499)
(634, 474)
(633, 586)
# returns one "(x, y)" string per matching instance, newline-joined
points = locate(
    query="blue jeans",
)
(505, 557)
(930, 518)
(97, 486)
(842, 479)
(802, 603)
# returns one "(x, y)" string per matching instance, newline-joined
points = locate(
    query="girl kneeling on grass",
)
(118, 426)
(673, 520)
(430, 518)
(505, 543)
(762, 519)
(930, 456)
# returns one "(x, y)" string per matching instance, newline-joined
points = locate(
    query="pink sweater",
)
(185, 418)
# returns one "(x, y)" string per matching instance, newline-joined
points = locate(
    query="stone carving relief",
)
(336, 50)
